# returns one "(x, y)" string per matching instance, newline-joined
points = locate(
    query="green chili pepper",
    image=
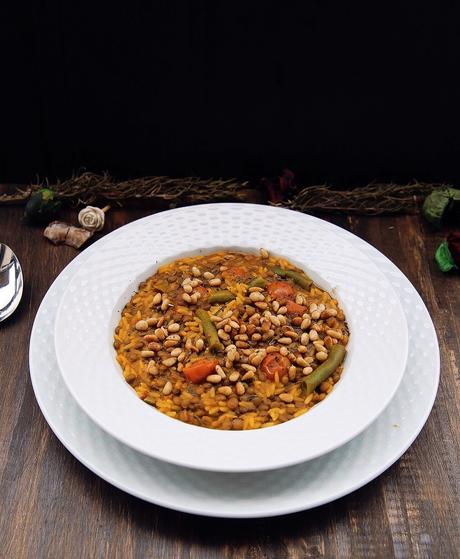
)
(301, 279)
(325, 370)
(223, 296)
(257, 282)
(209, 330)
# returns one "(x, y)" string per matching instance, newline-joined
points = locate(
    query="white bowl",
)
(91, 306)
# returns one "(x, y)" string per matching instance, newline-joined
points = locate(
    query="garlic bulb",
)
(91, 218)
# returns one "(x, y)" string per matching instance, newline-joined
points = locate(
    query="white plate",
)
(91, 306)
(244, 495)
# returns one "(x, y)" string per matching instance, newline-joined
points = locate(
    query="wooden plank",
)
(52, 506)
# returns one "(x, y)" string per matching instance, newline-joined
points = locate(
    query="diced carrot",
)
(282, 291)
(236, 272)
(295, 309)
(275, 363)
(197, 371)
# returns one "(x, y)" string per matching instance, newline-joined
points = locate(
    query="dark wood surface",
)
(51, 506)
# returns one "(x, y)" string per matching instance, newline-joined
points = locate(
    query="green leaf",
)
(438, 204)
(444, 258)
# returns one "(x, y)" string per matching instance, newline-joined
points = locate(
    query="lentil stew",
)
(231, 341)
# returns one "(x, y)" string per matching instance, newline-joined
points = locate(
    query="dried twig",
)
(373, 199)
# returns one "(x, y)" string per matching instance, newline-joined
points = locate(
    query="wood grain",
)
(53, 507)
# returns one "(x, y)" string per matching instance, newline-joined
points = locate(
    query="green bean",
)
(326, 369)
(223, 296)
(300, 278)
(209, 330)
(257, 282)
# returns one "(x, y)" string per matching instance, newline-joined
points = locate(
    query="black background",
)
(335, 91)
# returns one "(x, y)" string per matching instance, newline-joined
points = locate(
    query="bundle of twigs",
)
(88, 187)
(373, 199)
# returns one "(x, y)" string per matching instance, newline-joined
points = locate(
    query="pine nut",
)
(157, 299)
(160, 333)
(282, 310)
(307, 370)
(188, 288)
(275, 306)
(196, 272)
(334, 334)
(176, 352)
(283, 319)
(292, 372)
(165, 305)
(239, 388)
(313, 335)
(170, 343)
(275, 320)
(296, 321)
(284, 350)
(256, 337)
(263, 253)
(331, 312)
(199, 344)
(167, 388)
(225, 390)
(181, 356)
(152, 368)
(256, 296)
(286, 397)
(141, 325)
(214, 379)
(285, 341)
(186, 297)
(305, 323)
(174, 327)
(194, 298)
(321, 356)
(147, 353)
(299, 299)
(232, 355)
(257, 357)
(313, 307)
(302, 349)
(169, 362)
(234, 324)
(208, 275)
(242, 344)
(272, 349)
(301, 362)
(319, 345)
(261, 305)
(255, 290)
(234, 377)
(220, 372)
(223, 335)
(291, 334)
(215, 282)
(152, 321)
(315, 315)
(248, 376)
(175, 337)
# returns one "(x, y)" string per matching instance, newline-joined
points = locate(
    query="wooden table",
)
(51, 506)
